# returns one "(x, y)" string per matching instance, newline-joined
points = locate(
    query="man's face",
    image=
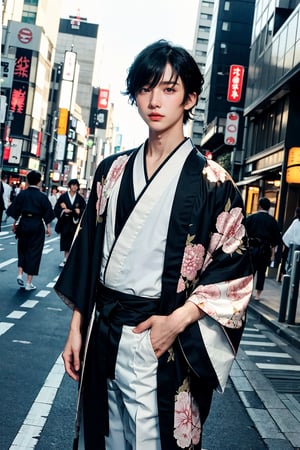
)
(73, 187)
(161, 106)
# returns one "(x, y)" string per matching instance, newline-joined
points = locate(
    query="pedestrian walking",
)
(68, 210)
(159, 266)
(32, 214)
(264, 237)
(291, 240)
(5, 190)
(54, 196)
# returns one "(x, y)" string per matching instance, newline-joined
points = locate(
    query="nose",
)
(154, 99)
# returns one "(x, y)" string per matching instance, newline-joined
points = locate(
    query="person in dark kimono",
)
(32, 213)
(68, 210)
(158, 276)
(264, 236)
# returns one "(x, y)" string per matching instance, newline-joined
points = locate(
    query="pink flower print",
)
(180, 285)
(187, 425)
(229, 224)
(114, 172)
(240, 289)
(100, 205)
(208, 292)
(105, 186)
(215, 172)
(192, 261)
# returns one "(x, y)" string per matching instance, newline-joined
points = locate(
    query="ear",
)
(191, 101)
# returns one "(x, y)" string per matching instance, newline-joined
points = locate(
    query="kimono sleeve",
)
(224, 285)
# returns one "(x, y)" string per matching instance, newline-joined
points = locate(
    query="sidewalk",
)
(275, 415)
(267, 308)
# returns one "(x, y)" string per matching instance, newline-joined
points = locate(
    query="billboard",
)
(235, 83)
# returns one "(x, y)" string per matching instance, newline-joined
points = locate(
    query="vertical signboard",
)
(231, 128)
(103, 97)
(235, 83)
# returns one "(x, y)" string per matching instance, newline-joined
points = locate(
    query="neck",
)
(161, 145)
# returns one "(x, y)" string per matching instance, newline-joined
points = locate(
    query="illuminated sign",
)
(235, 83)
(103, 97)
(231, 128)
(69, 66)
(293, 166)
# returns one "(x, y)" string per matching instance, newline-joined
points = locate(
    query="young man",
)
(160, 257)
(33, 212)
(264, 236)
(68, 210)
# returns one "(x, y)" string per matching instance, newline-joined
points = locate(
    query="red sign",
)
(235, 83)
(25, 35)
(231, 129)
(103, 99)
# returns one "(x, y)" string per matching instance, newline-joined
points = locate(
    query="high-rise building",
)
(272, 110)
(229, 45)
(27, 56)
(204, 19)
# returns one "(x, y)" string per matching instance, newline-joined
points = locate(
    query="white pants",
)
(133, 415)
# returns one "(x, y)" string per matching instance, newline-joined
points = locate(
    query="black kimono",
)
(205, 261)
(34, 210)
(67, 222)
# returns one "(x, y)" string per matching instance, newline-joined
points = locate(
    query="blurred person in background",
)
(264, 237)
(32, 213)
(68, 210)
(5, 191)
(54, 196)
(161, 254)
(291, 241)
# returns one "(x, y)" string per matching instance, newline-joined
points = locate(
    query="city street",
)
(38, 401)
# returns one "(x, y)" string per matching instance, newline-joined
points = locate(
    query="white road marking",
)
(5, 326)
(51, 285)
(268, 354)
(295, 368)
(29, 304)
(43, 293)
(30, 431)
(17, 341)
(8, 262)
(262, 344)
(47, 250)
(16, 314)
(256, 336)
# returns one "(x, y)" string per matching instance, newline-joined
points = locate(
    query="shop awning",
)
(249, 180)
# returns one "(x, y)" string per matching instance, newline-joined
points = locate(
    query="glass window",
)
(223, 47)
(226, 26)
(28, 17)
(227, 6)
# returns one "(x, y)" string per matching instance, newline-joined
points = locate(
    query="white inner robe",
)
(136, 263)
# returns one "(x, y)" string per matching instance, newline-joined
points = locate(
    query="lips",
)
(154, 116)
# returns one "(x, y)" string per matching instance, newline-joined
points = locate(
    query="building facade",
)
(204, 19)
(272, 110)
(27, 57)
(229, 45)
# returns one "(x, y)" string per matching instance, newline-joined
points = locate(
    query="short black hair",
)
(74, 181)
(34, 177)
(265, 203)
(149, 66)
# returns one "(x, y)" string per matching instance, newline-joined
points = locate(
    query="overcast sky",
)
(127, 26)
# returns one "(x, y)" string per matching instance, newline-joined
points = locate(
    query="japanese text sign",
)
(235, 83)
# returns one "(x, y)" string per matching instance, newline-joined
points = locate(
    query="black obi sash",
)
(114, 309)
